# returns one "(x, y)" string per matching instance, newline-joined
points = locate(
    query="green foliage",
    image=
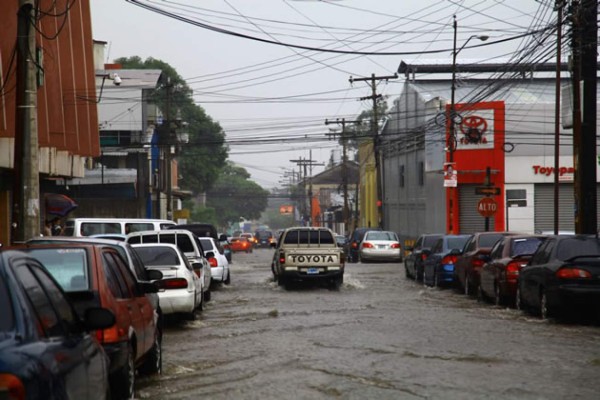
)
(364, 131)
(234, 195)
(276, 220)
(201, 159)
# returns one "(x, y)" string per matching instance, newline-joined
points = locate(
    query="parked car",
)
(500, 273)
(95, 275)
(413, 263)
(563, 276)
(354, 242)
(469, 264)
(46, 349)
(188, 243)
(199, 229)
(250, 238)
(438, 267)
(380, 246)
(343, 243)
(180, 289)
(240, 244)
(216, 258)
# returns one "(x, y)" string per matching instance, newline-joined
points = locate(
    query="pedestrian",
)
(56, 227)
(48, 228)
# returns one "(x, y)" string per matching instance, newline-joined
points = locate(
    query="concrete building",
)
(506, 127)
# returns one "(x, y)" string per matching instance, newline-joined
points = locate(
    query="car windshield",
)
(574, 247)
(305, 236)
(68, 266)
(264, 234)
(525, 246)
(207, 244)
(158, 256)
(429, 241)
(381, 236)
(457, 242)
(488, 240)
(7, 322)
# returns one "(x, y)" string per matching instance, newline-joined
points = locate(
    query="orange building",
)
(66, 97)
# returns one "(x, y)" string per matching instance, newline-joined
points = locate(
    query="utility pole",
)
(346, 210)
(167, 149)
(585, 43)
(376, 139)
(303, 164)
(26, 189)
(559, 6)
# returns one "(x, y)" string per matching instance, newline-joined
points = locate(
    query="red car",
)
(240, 244)
(475, 252)
(94, 275)
(500, 274)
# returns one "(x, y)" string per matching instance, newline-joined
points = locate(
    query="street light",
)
(452, 138)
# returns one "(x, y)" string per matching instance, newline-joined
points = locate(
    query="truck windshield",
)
(306, 236)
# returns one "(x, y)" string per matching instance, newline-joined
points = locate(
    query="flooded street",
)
(379, 337)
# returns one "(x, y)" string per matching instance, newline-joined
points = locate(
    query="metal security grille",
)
(470, 220)
(544, 206)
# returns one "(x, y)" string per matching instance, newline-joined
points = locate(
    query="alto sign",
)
(487, 207)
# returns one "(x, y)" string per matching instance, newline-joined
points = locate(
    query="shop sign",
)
(548, 171)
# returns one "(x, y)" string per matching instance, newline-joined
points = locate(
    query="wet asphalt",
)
(380, 336)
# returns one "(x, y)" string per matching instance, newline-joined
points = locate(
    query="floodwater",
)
(380, 336)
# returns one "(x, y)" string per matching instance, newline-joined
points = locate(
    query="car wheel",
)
(200, 306)
(123, 386)
(497, 297)
(467, 288)
(519, 305)
(436, 282)
(153, 362)
(546, 311)
(336, 283)
(480, 295)
(406, 274)
(207, 295)
(228, 280)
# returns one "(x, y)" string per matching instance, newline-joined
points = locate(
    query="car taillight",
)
(11, 386)
(110, 335)
(512, 270)
(281, 258)
(423, 256)
(573, 273)
(395, 245)
(213, 262)
(175, 283)
(477, 263)
(367, 245)
(449, 260)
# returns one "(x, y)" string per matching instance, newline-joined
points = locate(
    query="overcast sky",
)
(284, 90)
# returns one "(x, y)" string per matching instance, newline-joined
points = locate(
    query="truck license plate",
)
(312, 271)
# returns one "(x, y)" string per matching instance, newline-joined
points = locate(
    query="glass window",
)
(48, 320)
(62, 306)
(127, 277)
(428, 241)
(138, 264)
(489, 240)
(575, 247)
(116, 285)
(68, 266)
(457, 242)
(158, 256)
(207, 244)
(138, 226)
(7, 322)
(525, 246)
(543, 252)
(96, 228)
(291, 237)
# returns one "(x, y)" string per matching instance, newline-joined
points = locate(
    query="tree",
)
(201, 159)
(357, 133)
(234, 195)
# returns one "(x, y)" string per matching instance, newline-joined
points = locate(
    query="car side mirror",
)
(154, 274)
(98, 318)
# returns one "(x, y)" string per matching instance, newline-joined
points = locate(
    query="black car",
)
(354, 242)
(46, 351)
(413, 263)
(264, 238)
(563, 276)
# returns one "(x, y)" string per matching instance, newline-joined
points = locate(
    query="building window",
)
(421, 173)
(401, 176)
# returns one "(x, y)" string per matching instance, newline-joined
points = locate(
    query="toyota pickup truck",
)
(308, 254)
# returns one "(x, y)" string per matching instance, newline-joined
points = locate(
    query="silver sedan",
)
(380, 246)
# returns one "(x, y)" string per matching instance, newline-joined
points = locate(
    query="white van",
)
(119, 226)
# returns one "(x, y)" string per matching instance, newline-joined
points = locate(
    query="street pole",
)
(26, 189)
(558, 7)
(376, 139)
